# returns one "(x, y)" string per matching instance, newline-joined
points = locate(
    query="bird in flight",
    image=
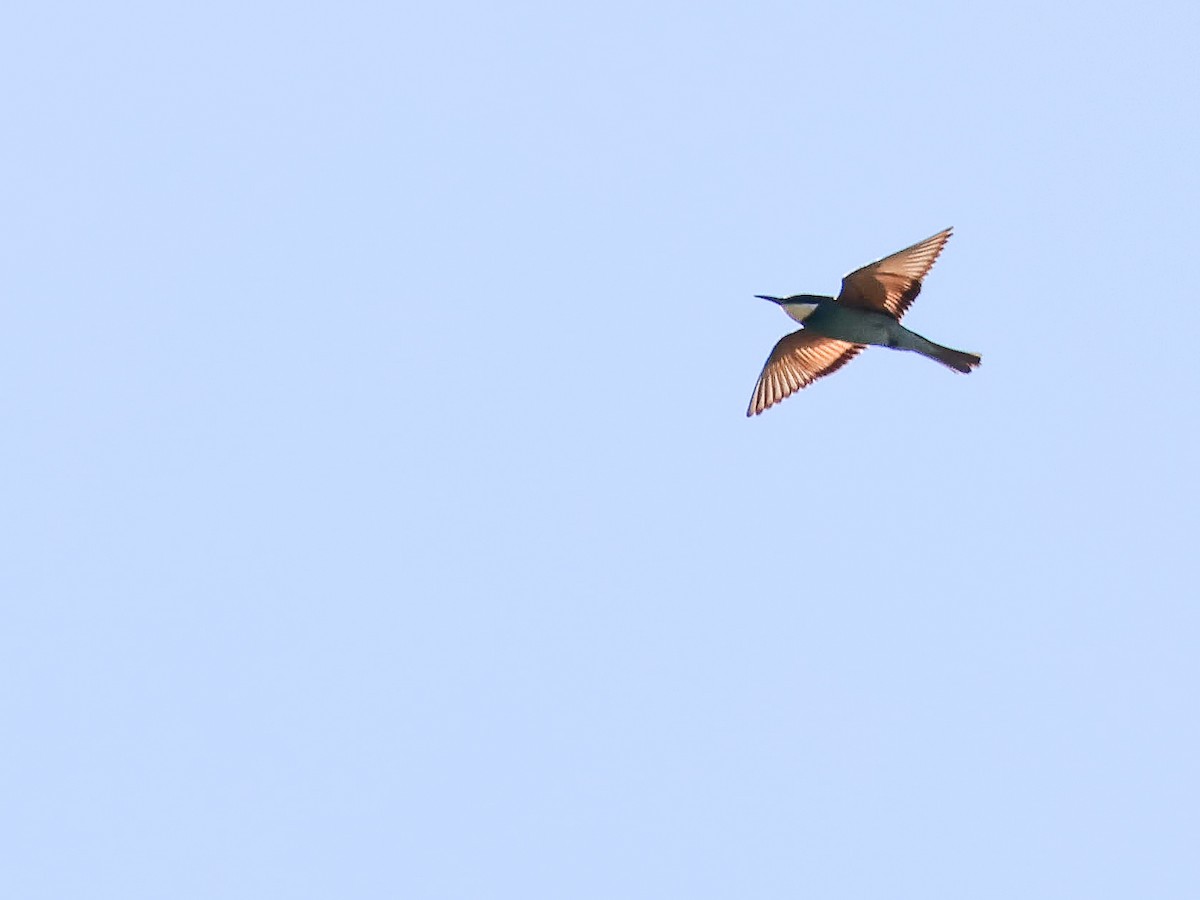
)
(867, 311)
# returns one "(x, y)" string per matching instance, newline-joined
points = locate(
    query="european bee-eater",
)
(867, 311)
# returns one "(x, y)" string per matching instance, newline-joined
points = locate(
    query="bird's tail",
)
(957, 360)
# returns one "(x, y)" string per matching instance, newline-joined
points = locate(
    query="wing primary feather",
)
(796, 361)
(891, 284)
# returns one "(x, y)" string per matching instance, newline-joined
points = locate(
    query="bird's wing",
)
(891, 284)
(798, 360)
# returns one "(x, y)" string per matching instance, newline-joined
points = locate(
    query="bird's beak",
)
(765, 297)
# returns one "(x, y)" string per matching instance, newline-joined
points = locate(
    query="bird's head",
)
(798, 306)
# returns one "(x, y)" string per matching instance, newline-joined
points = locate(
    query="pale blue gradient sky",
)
(381, 518)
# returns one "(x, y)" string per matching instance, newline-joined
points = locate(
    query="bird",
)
(868, 310)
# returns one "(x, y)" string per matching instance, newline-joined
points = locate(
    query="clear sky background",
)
(381, 518)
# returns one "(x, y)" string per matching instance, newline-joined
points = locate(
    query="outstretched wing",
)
(798, 360)
(892, 284)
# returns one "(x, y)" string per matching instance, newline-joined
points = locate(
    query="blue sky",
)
(382, 519)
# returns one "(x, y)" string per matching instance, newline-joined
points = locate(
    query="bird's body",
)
(825, 316)
(847, 324)
(866, 313)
